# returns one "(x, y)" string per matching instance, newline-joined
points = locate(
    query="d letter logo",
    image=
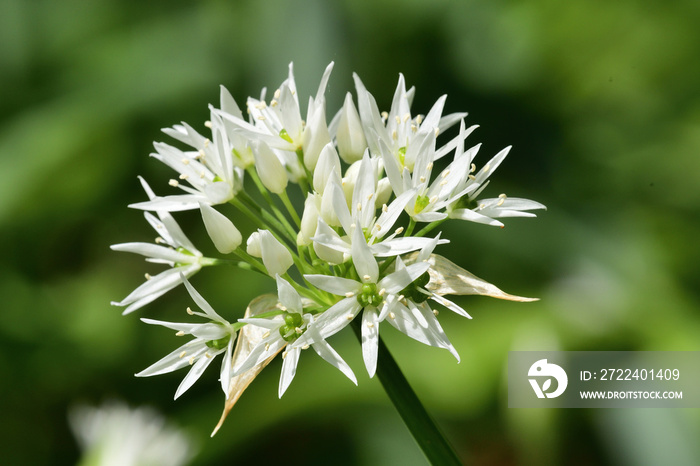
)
(542, 369)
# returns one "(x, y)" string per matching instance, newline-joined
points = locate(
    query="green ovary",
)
(369, 295)
(292, 321)
(221, 343)
(413, 293)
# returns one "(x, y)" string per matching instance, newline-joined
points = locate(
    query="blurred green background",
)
(601, 101)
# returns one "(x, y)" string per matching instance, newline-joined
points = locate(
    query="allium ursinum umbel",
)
(347, 247)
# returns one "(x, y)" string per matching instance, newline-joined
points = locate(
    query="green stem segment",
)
(426, 433)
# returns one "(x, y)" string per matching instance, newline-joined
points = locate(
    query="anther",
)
(394, 136)
(359, 206)
(370, 324)
(284, 355)
(206, 143)
(472, 168)
(433, 199)
(148, 276)
(437, 131)
(182, 355)
(385, 115)
(207, 355)
(414, 128)
(436, 312)
(266, 334)
(378, 227)
(430, 166)
(398, 120)
(482, 206)
(267, 346)
(277, 94)
(366, 278)
(406, 117)
(370, 196)
(208, 124)
(262, 118)
(419, 119)
(392, 316)
(185, 161)
(160, 240)
(422, 179)
(298, 330)
(261, 105)
(273, 103)
(202, 174)
(399, 230)
(173, 183)
(201, 154)
(382, 292)
(349, 317)
(180, 334)
(472, 177)
(384, 208)
(184, 176)
(305, 347)
(191, 361)
(445, 173)
(486, 168)
(190, 311)
(349, 294)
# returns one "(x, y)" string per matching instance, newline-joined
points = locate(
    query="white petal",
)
(174, 360)
(370, 340)
(324, 350)
(275, 255)
(288, 295)
(201, 302)
(289, 368)
(336, 285)
(193, 375)
(364, 261)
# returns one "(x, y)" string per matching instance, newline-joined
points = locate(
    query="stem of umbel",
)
(339, 259)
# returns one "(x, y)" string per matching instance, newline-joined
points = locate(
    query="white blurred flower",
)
(116, 435)
(172, 248)
(211, 339)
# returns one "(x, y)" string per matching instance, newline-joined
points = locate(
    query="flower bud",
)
(316, 136)
(253, 245)
(383, 193)
(221, 230)
(275, 255)
(271, 171)
(350, 136)
(309, 219)
(328, 162)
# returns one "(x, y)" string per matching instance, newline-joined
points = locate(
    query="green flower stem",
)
(426, 433)
(425, 230)
(411, 226)
(266, 195)
(249, 207)
(290, 208)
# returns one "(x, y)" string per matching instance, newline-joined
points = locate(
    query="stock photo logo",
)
(542, 370)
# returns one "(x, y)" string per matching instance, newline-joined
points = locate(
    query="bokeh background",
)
(600, 99)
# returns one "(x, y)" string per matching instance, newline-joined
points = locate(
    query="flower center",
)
(369, 296)
(421, 203)
(221, 343)
(291, 329)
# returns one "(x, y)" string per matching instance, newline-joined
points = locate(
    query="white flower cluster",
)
(338, 255)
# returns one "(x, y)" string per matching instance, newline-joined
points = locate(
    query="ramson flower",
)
(283, 330)
(172, 248)
(211, 339)
(377, 296)
(375, 231)
(279, 124)
(397, 129)
(209, 174)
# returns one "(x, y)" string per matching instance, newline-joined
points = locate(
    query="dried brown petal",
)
(248, 337)
(446, 277)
